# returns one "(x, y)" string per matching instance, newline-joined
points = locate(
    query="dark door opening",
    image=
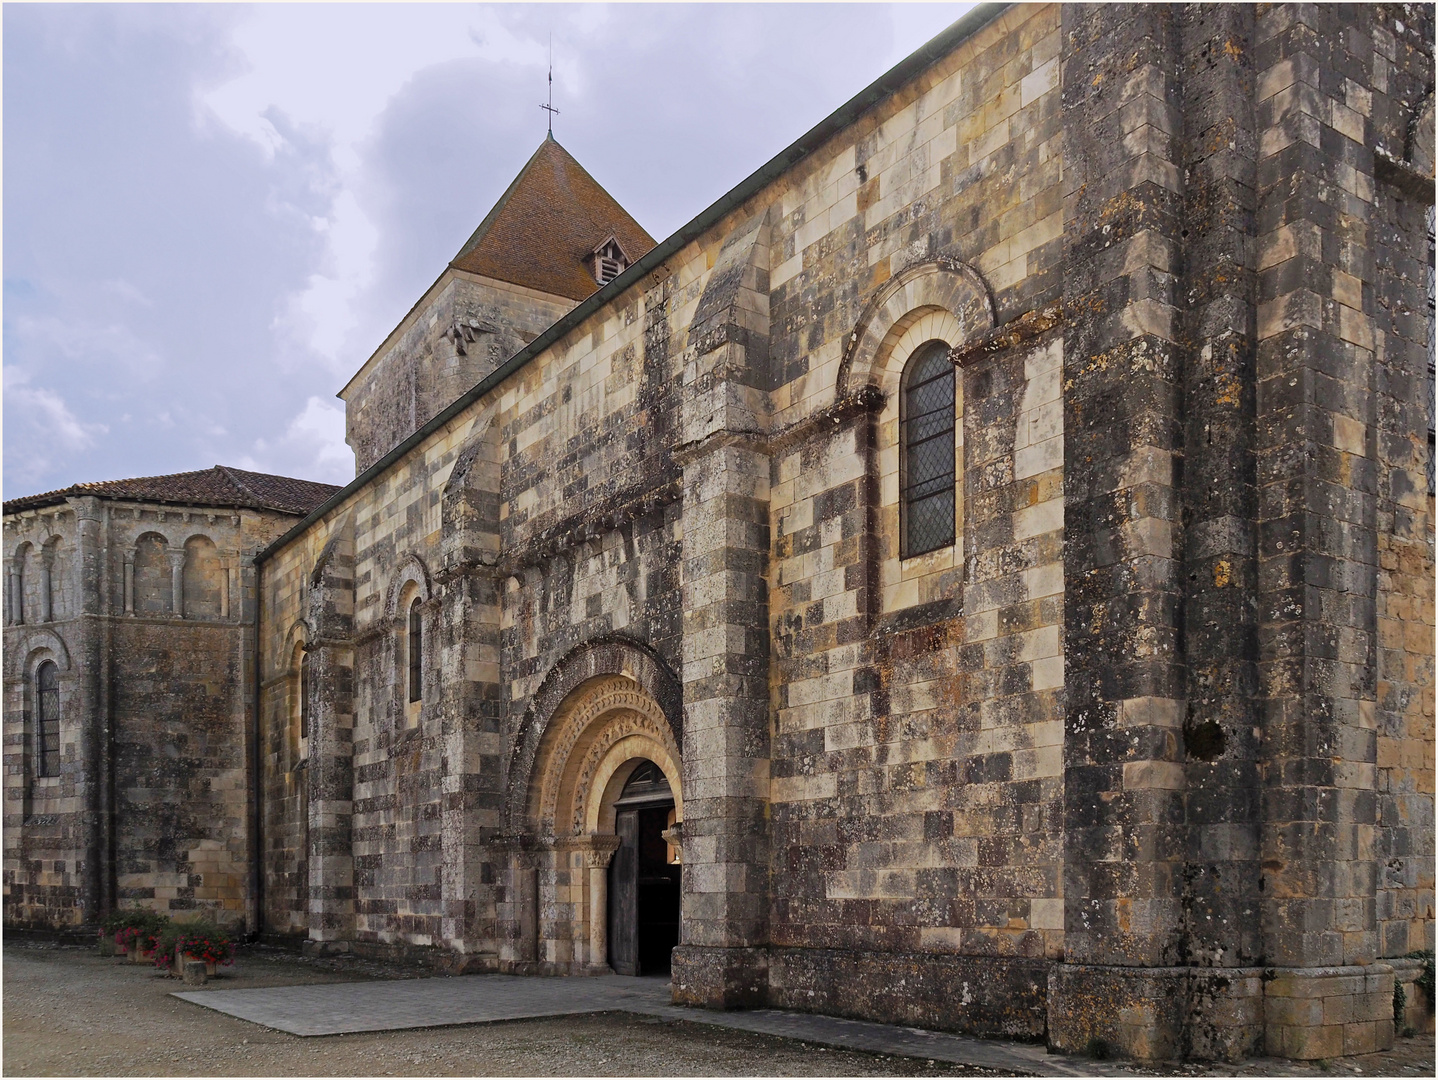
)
(644, 877)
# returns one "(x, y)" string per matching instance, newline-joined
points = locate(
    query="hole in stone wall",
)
(1204, 740)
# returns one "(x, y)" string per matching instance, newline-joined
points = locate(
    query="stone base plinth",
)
(1207, 1014)
(1313, 1013)
(997, 997)
(1156, 1014)
(720, 978)
(321, 947)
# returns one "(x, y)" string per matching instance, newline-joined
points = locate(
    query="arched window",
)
(416, 655)
(926, 459)
(47, 716)
(304, 695)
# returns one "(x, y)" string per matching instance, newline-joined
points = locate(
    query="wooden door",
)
(624, 896)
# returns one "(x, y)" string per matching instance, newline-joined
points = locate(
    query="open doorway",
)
(644, 877)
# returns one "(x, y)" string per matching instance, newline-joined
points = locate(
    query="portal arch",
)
(604, 728)
(644, 671)
(567, 776)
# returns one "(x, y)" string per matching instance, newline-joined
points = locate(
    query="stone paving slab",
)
(385, 1005)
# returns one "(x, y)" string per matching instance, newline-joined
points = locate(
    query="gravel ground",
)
(70, 1013)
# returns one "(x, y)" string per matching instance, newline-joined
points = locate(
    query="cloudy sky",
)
(213, 214)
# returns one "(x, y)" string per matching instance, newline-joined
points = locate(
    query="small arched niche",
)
(203, 579)
(154, 589)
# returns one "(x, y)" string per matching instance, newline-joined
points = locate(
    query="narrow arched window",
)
(47, 727)
(416, 655)
(304, 695)
(926, 461)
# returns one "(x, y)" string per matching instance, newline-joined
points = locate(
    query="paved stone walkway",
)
(337, 1008)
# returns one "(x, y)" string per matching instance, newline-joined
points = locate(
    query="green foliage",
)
(198, 939)
(1400, 1002)
(1424, 981)
(135, 927)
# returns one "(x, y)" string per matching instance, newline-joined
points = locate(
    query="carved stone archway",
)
(938, 285)
(602, 730)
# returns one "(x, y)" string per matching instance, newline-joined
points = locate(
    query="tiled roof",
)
(220, 486)
(545, 226)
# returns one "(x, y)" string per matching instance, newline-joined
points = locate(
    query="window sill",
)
(921, 616)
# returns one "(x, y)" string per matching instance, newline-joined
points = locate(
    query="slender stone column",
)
(596, 859)
(87, 644)
(226, 576)
(14, 606)
(177, 582)
(598, 910)
(130, 582)
(47, 566)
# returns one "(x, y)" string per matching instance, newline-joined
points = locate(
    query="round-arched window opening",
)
(927, 462)
(47, 726)
(415, 647)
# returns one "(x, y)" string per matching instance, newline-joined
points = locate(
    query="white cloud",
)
(334, 77)
(51, 429)
(322, 315)
(219, 211)
(125, 291)
(112, 345)
(313, 446)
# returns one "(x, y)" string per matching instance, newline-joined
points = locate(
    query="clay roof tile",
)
(219, 486)
(547, 224)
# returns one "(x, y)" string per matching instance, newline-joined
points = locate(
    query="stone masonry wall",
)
(1402, 44)
(1154, 721)
(464, 328)
(155, 706)
(586, 503)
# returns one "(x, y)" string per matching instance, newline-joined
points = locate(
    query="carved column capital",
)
(674, 837)
(598, 850)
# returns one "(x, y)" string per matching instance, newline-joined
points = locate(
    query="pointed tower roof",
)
(546, 226)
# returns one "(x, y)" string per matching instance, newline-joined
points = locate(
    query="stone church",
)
(978, 574)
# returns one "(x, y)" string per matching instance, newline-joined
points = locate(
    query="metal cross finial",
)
(550, 107)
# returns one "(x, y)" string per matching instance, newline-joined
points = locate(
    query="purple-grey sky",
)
(214, 214)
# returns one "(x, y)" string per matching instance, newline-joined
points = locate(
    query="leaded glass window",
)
(304, 695)
(927, 462)
(47, 728)
(416, 659)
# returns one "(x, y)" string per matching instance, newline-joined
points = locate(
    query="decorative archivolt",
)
(942, 284)
(35, 645)
(295, 640)
(609, 656)
(411, 578)
(605, 725)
